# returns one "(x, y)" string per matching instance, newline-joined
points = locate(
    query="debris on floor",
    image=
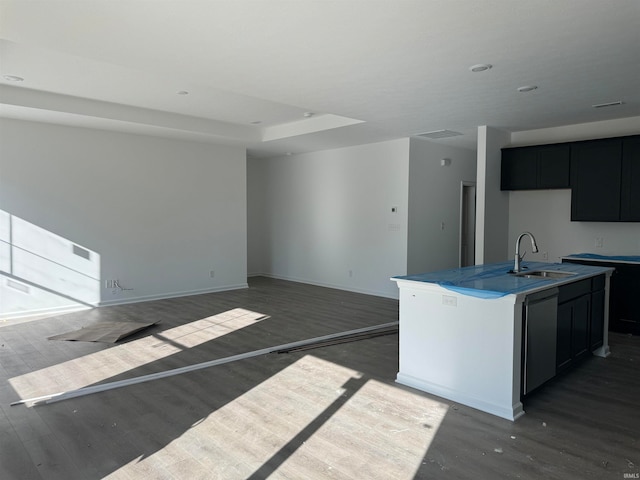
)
(104, 332)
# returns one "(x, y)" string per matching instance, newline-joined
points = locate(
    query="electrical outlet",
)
(350, 273)
(212, 273)
(545, 255)
(450, 300)
(599, 242)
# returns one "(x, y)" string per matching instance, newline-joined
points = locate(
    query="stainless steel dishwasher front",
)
(540, 330)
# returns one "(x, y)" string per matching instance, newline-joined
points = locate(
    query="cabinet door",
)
(580, 320)
(519, 169)
(624, 314)
(540, 345)
(595, 180)
(630, 195)
(553, 166)
(596, 332)
(563, 336)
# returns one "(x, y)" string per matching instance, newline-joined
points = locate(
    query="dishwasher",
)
(540, 332)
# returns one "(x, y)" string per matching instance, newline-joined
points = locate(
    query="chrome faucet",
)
(518, 259)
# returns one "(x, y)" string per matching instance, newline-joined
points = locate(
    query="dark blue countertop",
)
(494, 280)
(606, 258)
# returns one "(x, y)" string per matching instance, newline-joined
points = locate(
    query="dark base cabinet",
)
(574, 326)
(624, 307)
(596, 327)
(574, 323)
(563, 336)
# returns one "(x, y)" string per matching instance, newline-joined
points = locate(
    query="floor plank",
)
(332, 412)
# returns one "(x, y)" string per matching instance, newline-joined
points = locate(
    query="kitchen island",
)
(464, 334)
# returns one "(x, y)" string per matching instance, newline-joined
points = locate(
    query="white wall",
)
(159, 213)
(581, 131)
(257, 216)
(492, 225)
(547, 214)
(327, 217)
(434, 198)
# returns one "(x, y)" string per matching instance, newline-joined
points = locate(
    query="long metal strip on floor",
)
(346, 339)
(324, 340)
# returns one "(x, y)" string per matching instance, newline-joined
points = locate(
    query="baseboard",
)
(327, 285)
(509, 412)
(164, 296)
(43, 312)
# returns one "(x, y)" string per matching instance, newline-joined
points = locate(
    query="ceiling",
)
(281, 76)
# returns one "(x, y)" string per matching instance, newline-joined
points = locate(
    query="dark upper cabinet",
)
(596, 174)
(538, 167)
(553, 166)
(630, 194)
(519, 169)
(604, 175)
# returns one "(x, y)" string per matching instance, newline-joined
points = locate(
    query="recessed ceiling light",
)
(308, 114)
(527, 88)
(610, 104)
(480, 67)
(182, 92)
(13, 78)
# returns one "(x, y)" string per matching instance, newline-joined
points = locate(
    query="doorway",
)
(467, 223)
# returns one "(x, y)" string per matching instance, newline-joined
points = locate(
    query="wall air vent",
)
(82, 252)
(610, 104)
(439, 134)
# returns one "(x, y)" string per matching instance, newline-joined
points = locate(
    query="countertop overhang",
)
(494, 280)
(594, 257)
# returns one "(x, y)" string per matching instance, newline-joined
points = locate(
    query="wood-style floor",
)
(332, 412)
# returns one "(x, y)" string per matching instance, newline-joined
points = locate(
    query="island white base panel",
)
(512, 413)
(461, 348)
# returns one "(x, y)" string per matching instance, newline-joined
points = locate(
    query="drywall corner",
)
(492, 206)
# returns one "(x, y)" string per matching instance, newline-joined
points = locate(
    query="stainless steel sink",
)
(550, 274)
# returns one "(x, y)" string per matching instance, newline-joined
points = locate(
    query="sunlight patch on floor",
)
(105, 364)
(313, 419)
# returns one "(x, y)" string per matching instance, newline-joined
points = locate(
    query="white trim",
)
(463, 184)
(44, 311)
(163, 296)
(513, 413)
(329, 285)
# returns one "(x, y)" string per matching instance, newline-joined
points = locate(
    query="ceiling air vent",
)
(439, 134)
